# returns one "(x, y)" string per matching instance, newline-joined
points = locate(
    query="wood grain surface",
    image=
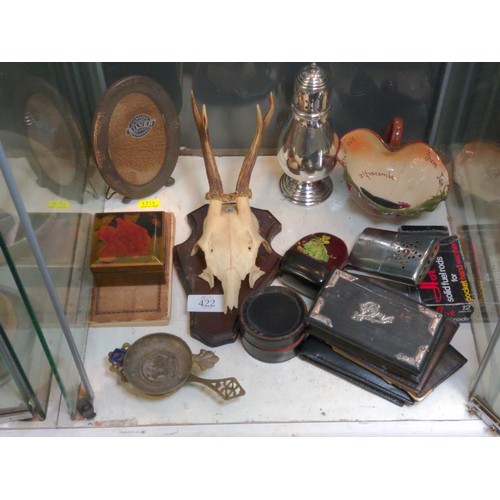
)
(139, 304)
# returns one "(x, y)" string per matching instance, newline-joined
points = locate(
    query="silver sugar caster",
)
(307, 146)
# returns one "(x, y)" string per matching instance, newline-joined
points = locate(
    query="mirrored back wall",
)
(436, 100)
(362, 95)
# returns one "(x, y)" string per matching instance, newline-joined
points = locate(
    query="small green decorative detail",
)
(316, 248)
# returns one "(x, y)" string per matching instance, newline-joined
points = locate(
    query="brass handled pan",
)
(159, 364)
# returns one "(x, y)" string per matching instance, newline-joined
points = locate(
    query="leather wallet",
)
(451, 362)
(319, 353)
(446, 361)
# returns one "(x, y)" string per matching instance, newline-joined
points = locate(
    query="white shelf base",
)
(292, 398)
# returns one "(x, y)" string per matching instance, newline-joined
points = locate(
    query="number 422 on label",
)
(205, 303)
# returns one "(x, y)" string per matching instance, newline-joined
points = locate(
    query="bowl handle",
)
(226, 388)
(394, 133)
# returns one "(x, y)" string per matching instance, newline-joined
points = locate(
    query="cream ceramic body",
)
(477, 170)
(388, 180)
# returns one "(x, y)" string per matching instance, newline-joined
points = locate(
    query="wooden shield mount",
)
(212, 328)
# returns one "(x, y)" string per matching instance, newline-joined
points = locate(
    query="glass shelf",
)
(46, 201)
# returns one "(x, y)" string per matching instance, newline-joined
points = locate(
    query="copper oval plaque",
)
(136, 136)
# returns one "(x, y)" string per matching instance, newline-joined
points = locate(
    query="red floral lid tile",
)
(127, 239)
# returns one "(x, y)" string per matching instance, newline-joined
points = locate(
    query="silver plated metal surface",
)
(399, 256)
(307, 147)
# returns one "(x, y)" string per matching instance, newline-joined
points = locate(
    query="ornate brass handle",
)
(226, 388)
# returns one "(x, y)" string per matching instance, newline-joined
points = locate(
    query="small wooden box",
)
(128, 248)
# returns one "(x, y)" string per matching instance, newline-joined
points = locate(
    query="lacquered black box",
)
(376, 323)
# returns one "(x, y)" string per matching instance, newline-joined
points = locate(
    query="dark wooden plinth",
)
(215, 329)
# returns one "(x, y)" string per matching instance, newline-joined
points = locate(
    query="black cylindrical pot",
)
(271, 323)
(277, 356)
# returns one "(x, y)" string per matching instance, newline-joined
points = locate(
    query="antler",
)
(243, 183)
(214, 181)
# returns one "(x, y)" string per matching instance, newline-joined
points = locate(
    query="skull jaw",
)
(231, 284)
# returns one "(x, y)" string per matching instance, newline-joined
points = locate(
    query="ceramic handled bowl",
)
(388, 179)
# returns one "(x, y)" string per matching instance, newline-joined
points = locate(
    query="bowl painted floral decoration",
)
(388, 179)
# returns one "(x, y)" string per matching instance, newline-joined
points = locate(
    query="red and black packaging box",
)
(446, 286)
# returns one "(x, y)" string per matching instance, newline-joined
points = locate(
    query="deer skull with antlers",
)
(230, 239)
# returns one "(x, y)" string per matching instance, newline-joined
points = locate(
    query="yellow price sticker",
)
(149, 203)
(58, 204)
